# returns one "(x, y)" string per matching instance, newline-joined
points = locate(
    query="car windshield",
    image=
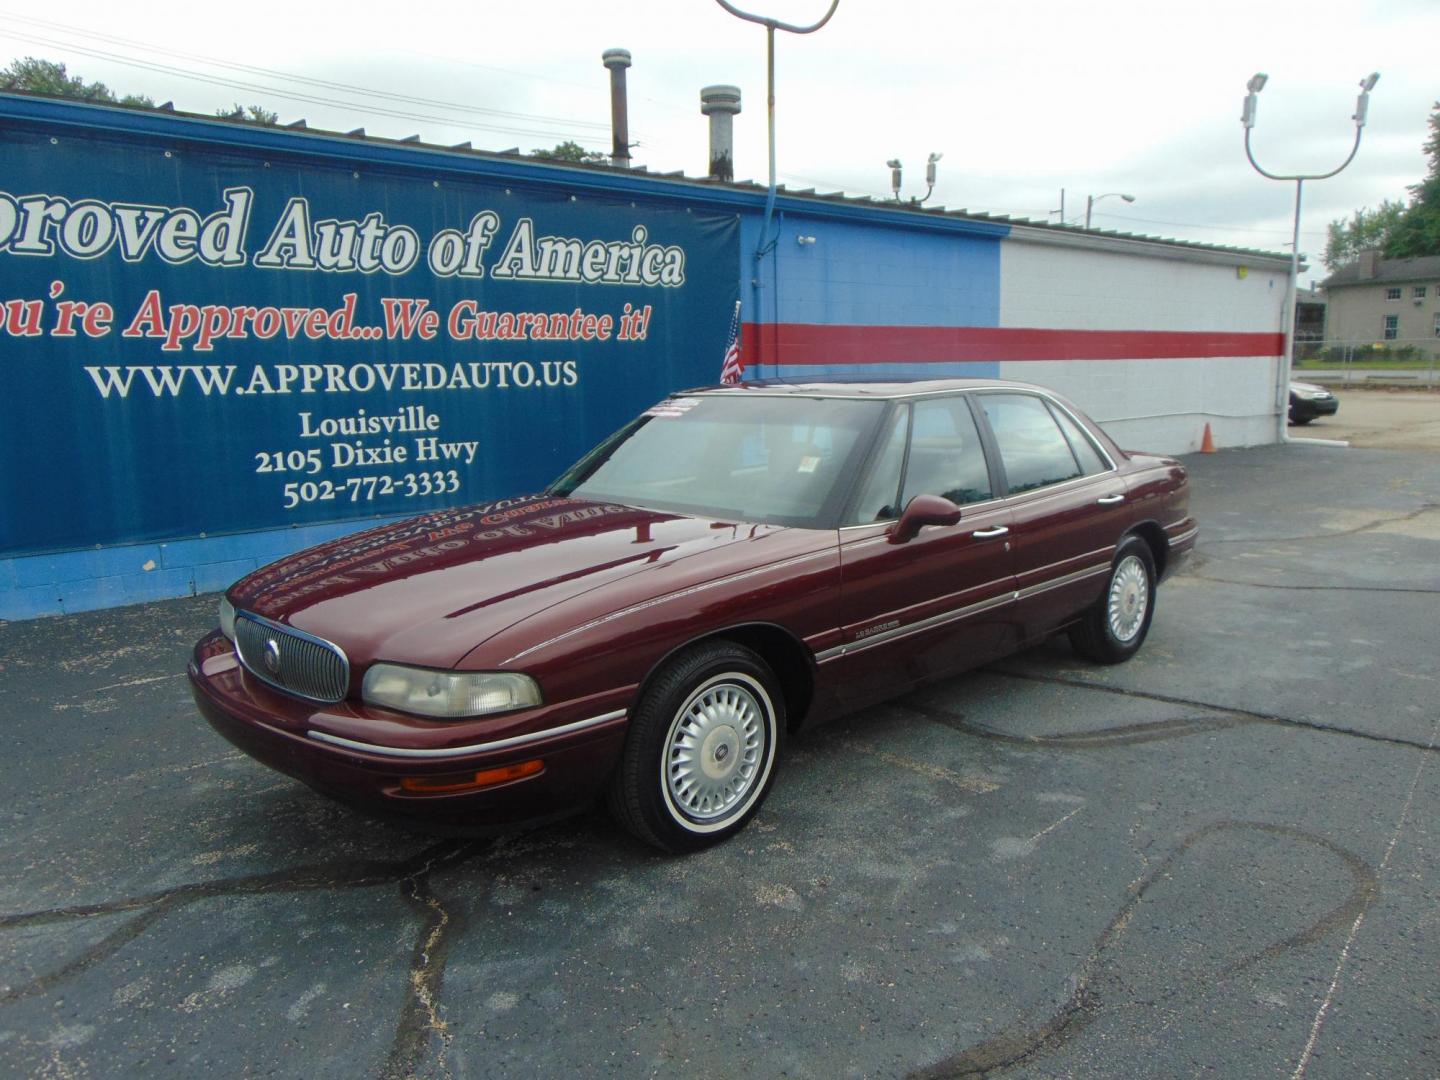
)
(783, 459)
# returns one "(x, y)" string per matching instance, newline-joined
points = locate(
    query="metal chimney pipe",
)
(720, 103)
(617, 60)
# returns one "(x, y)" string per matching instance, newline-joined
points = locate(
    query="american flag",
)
(730, 367)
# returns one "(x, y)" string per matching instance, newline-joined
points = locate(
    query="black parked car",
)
(1307, 401)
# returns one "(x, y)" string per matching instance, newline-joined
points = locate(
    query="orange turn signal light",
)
(447, 783)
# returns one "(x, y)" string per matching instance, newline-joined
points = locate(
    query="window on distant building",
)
(1437, 324)
(1418, 292)
(1392, 293)
(1392, 327)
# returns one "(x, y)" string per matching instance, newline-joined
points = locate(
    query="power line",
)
(150, 47)
(1197, 225)
(290, 95)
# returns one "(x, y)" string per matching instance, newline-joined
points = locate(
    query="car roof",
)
(858, 388)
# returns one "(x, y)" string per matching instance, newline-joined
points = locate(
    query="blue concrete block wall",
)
(72, 581)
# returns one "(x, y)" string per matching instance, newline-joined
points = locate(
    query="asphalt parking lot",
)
(1219, 858)
(1380, 419)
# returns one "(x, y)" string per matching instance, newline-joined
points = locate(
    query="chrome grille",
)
(290, 659)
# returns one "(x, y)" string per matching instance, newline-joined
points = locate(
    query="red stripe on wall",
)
(808, 343)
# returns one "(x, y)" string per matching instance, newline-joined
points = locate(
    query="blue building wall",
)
(868, 276)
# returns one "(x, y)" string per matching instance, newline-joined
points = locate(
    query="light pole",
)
(1091, 200)
(766, 243)
(1247, 117)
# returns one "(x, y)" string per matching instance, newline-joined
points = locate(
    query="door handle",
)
(1110, 500)
(990, 534)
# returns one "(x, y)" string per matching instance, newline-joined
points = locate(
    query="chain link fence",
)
(1403, 361)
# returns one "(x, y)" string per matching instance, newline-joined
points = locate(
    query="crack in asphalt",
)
(1225, 710)
(1369, 526)
(1203, 560)
(1312, 588)
(1119, 735)
(421, 1012)
(1023, 1041)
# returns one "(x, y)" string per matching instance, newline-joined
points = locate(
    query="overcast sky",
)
(1022, 99)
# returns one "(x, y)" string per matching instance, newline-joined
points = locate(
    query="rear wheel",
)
(701, 751)
(1114, 629)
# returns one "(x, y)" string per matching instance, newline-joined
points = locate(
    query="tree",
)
(573, 152)
(1399, 230)
(1366, 229)
(48, 77)
(1418, 232)
(254, 113)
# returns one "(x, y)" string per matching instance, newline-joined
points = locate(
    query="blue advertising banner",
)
(195, 340)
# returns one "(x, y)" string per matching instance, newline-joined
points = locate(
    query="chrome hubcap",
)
(1129, 598)
(715, 750)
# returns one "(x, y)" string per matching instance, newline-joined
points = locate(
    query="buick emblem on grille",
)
(272, 656)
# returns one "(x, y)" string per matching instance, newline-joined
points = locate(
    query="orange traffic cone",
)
(1207, 442)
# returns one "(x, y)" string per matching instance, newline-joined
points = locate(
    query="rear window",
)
(1033, 449)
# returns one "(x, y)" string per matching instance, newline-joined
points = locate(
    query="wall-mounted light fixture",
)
(803, 240)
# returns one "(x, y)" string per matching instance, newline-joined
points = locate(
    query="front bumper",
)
(360, 756)
(1310, 408)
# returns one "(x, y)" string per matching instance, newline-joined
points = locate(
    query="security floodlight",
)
(895, 167)
(930, 170)
(1255, 85)
(1362, 103)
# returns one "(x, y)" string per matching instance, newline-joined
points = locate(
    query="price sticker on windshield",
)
(672, 407)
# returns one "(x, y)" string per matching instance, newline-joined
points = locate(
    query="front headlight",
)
(448, 695)
(227, 618)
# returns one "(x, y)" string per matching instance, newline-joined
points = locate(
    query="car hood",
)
(1309, 388)
(429, 590)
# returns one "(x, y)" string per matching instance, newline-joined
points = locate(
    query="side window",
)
(879, 497)
(1032, 448)
(1090, 460)
(946, 457)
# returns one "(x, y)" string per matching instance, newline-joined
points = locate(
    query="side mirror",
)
(923, 510)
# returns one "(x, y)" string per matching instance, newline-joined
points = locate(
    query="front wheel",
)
(1114, 629)
(701, 752)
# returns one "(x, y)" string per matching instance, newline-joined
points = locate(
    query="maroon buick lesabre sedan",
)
(733, 563)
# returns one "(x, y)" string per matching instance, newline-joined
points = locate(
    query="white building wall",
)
(1159, 404)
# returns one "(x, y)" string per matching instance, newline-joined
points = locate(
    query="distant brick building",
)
(1392, 302)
